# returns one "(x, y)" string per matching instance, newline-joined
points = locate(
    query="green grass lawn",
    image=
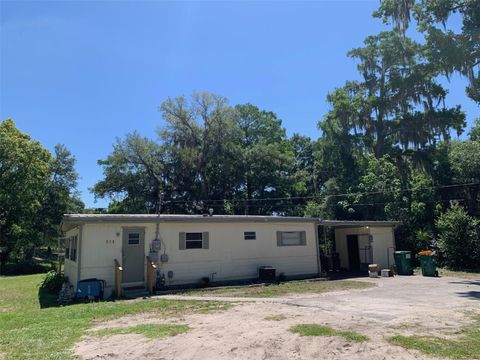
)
(321, 330)
(28, 331)
(466, 346)
(285, 288)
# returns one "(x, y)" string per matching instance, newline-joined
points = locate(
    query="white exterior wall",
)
(229, 256)
(100, 246)
(71, 267)
(383, 244)
(383, 239)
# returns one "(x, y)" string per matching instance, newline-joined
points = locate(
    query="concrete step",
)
(135, 293)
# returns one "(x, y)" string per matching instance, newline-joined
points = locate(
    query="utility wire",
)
(321, 196)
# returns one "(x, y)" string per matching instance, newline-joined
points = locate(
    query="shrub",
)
(52, 282)
(459, 239)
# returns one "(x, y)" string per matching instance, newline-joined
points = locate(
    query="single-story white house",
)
(131, 250)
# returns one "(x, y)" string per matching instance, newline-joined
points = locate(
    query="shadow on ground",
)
(470, 294)
(466, 282)
(46, 300)
(341, 275)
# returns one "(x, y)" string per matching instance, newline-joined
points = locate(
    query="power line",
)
(320, 196)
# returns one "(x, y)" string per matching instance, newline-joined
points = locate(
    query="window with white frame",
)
(291, 238)
(250, 235)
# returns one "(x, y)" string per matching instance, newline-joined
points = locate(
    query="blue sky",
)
(82, 73)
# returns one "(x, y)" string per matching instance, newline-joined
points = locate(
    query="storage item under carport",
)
(403, 262)
(428, 263)
(386, 273)
(266, 273)
(90, 289)
(373, 270)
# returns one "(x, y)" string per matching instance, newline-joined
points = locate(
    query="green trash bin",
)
(403, 262)
(429, 265)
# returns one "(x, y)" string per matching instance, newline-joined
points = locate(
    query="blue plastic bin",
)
(90, 289)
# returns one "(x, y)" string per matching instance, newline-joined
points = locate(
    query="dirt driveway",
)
(400, 305)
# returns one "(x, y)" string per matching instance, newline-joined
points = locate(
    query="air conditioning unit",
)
(267, 273)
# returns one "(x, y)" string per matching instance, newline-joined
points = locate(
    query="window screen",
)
(291, 238)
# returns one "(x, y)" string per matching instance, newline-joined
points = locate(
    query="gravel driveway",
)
(399, 305)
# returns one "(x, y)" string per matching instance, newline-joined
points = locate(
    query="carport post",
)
(319, 265)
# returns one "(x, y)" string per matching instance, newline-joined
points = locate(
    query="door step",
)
(136, 292)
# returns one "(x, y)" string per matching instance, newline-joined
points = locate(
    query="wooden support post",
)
(151, 267)
(118, 279)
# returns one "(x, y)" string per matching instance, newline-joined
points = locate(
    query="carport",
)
(352, 245)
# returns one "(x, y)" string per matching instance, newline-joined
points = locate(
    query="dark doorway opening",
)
(353, 253)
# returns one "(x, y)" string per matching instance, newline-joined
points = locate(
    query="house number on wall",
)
(109, 241)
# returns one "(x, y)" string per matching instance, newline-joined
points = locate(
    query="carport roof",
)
(347, 223)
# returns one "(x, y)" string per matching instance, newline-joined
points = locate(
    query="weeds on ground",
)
(289, 287)
(275, 317)
(321, 330)
(466, 346)
(150, 331)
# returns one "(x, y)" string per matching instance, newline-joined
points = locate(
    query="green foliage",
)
(424, 240)
(52, 282)
(475, 131)
(381, 186)
(36, 189)
(26, 267)
(459, 239)
(464, 158)
(447, 49)
(24, 172)
(134, 168)
(313, 209)
(322, 330)
(397, 103)
(207, 151)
